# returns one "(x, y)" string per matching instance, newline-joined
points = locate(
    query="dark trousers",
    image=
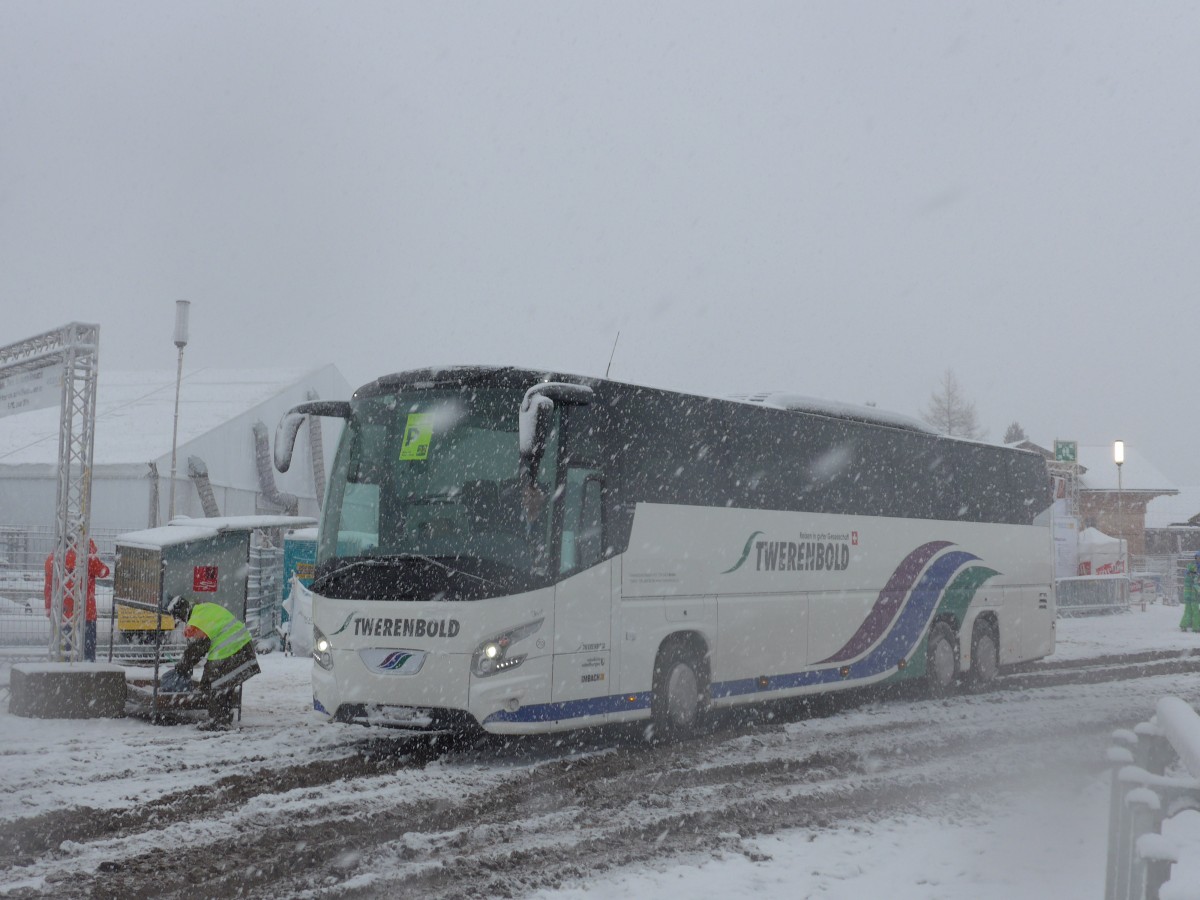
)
(221, 705)
(223, 677)
(89, 640)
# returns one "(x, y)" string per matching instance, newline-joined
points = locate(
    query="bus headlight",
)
(495, 654)
(322, 654)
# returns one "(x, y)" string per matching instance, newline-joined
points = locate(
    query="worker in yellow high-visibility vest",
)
(216, 636)
(1191, 597)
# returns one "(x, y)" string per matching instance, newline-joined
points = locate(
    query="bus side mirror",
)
(289, 426)
(536, 411)
(537, 408)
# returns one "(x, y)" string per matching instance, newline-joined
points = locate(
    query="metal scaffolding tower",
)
(1069, 473)
(27, 370)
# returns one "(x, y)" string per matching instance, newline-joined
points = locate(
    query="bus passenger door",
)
(583, 596)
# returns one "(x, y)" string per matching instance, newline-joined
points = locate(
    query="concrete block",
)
(67, 690)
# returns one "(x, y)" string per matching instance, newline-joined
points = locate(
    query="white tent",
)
(1101, 554)
(222, 414)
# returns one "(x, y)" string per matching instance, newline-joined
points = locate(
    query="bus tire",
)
(941, 660)
(679, 693)
(985, 653)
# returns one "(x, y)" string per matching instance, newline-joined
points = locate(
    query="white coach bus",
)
(532, 552)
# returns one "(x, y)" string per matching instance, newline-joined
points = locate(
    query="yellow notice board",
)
(418, 432)
(130, 619)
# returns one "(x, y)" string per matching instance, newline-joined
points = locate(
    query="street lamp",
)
(181, 339)
(1119, 459)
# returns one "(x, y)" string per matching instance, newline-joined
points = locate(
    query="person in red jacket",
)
(96, 569)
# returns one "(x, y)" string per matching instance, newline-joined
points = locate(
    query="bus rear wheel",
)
(679, 688)
(941, 660)
(985, 654)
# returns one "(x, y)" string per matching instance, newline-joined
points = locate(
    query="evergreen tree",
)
(1015, 433)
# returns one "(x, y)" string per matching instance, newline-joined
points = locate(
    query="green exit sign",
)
(1066, 451)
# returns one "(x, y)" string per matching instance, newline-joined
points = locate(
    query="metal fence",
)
(25, 630)
(24, 548)
(1168, 571)
(264, 586)
(1156, 775)
(1092, 594)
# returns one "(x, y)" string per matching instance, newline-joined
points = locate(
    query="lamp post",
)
(181, 339)
(1119, 459)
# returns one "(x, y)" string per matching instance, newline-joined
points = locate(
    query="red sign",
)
(204, 579)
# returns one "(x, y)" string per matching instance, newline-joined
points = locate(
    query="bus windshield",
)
(425, 501)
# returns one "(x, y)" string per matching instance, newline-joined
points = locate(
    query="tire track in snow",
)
(513, 816)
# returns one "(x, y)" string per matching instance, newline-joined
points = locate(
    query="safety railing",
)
(1156, 775)
(1090, 594)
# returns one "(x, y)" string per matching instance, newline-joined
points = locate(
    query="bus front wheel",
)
(679, 688)
(941, 660)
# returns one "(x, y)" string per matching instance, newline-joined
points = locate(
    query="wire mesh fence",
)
(25, 628)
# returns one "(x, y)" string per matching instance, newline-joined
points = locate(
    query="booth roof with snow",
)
(209, 560)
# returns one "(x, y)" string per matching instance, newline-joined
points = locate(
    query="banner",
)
(1066, 546)
(34, 389)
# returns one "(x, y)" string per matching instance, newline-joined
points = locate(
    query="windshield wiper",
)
(449, 568)
(378, 561)
(326, 577)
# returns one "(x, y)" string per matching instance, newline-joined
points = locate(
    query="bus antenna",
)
(611, 355)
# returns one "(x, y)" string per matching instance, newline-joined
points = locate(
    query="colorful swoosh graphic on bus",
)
(883, 613)
(961, 592)
(910, 625)
(899, 643)
(955, 602)
(395, 660)
(745, 554)
(950, 580)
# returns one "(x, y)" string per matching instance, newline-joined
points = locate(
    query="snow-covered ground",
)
(1049, 843)
(1046, 839)
(1157, 628)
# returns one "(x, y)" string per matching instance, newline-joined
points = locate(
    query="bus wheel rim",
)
(683, 695)
(943, 662)
(985, 658)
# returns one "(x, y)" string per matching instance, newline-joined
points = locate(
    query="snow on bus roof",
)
(801, 403)
(183, 530)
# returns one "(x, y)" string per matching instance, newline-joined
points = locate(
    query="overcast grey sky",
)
(838, 199)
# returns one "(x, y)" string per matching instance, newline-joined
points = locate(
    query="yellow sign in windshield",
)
(418, 431)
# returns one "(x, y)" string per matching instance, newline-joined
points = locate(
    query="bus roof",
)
(511, 376)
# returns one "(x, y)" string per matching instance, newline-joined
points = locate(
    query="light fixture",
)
(181, 339)
(1119, 459)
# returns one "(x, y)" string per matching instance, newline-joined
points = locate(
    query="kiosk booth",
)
(233, 561)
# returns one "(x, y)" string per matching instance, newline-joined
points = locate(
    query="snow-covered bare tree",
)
(950, 412)
(1015, 433)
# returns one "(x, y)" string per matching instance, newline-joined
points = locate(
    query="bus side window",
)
(583, 520)
(590, 539)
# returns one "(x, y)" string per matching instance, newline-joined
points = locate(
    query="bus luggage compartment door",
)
(762, 635)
